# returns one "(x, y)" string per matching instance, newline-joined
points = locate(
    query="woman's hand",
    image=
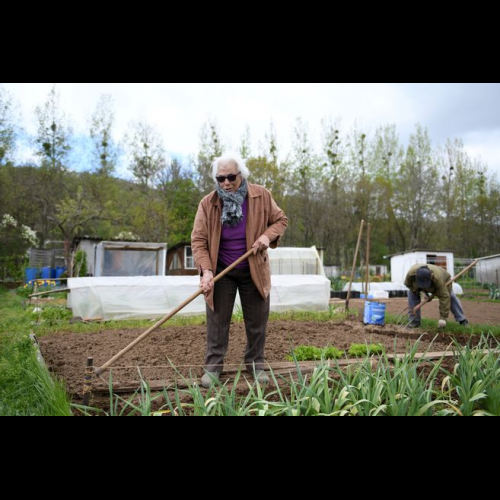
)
(263, 243)
(206, 282)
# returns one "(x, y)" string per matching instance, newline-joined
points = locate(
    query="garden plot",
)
(184, 347)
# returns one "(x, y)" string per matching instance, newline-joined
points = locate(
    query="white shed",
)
(114, 258)
(122, 258)
(403, 262)
(488, 270)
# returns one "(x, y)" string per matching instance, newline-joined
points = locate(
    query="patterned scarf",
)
(232, 211)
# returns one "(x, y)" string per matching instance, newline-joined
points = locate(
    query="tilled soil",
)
(184, 347)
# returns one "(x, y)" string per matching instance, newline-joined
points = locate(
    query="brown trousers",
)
(256, 314)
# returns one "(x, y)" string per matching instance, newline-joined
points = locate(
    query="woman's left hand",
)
(263, 243)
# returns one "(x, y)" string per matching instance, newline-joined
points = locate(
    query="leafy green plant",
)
(474, 382)
(52, 316)
(311, 353)
(494, 292)
(362, 350)
(338, 284)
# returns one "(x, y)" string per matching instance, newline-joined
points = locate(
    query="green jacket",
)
(438, 289)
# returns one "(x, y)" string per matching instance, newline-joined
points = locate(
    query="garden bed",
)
(184, 347)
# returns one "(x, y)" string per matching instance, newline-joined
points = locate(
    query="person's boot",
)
(414, 325)
(210, 379)
(261, 377)
(464, 323)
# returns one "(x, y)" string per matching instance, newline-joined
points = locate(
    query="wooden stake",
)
(354, 264)
(368, 249)
(87, 387)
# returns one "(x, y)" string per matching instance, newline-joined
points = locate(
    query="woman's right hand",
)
(207, 282)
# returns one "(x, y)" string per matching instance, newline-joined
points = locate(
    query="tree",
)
(180, 197)
(304, 182)
(54, 133)
(334, 194)
(15, 240)
(417, 191)
(105, 151)
(7, 128)
(245, 147)
(74, 213)
(211, 147)
(53, 147)
(387, 228)
(146, 152)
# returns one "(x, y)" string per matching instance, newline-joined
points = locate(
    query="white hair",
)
(230, 158)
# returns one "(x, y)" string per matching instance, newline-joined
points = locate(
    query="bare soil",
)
(184, 347)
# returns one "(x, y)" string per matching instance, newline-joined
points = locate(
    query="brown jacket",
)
(264, 218)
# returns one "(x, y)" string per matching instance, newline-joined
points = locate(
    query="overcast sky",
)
(470, 111)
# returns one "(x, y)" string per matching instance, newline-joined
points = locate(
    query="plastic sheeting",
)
(155, 297)
(296, 261)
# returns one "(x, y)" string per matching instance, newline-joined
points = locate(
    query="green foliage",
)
(52, 316)
(494, 292)
(80, 269)
(310, 353)
(415, 195)
(26, 387)
(407, 387)
(362, 350)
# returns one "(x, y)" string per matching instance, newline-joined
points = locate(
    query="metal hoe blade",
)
(404, 319)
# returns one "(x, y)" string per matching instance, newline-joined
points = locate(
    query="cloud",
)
(470, 111)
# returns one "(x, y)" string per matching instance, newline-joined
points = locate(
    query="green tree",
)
(7, 128)
(54, 133)
(211, 147)
(181, 197)
(101, 127)
(72, 214)
(146, 152)
(417, 191)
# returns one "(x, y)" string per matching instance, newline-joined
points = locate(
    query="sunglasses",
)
(231, 178)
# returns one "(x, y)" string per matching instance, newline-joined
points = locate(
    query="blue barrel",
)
(31, 274)
(375, 313)
(59, 272)
(48, 273)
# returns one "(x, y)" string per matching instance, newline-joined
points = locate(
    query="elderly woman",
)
(231, 221)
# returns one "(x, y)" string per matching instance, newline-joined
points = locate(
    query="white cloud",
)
(484, 146)
(449, 110)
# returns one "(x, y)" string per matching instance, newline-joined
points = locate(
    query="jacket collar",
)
(252, 193)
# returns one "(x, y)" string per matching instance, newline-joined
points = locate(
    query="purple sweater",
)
(233, 243)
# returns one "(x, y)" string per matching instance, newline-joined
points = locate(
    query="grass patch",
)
(26, 386)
